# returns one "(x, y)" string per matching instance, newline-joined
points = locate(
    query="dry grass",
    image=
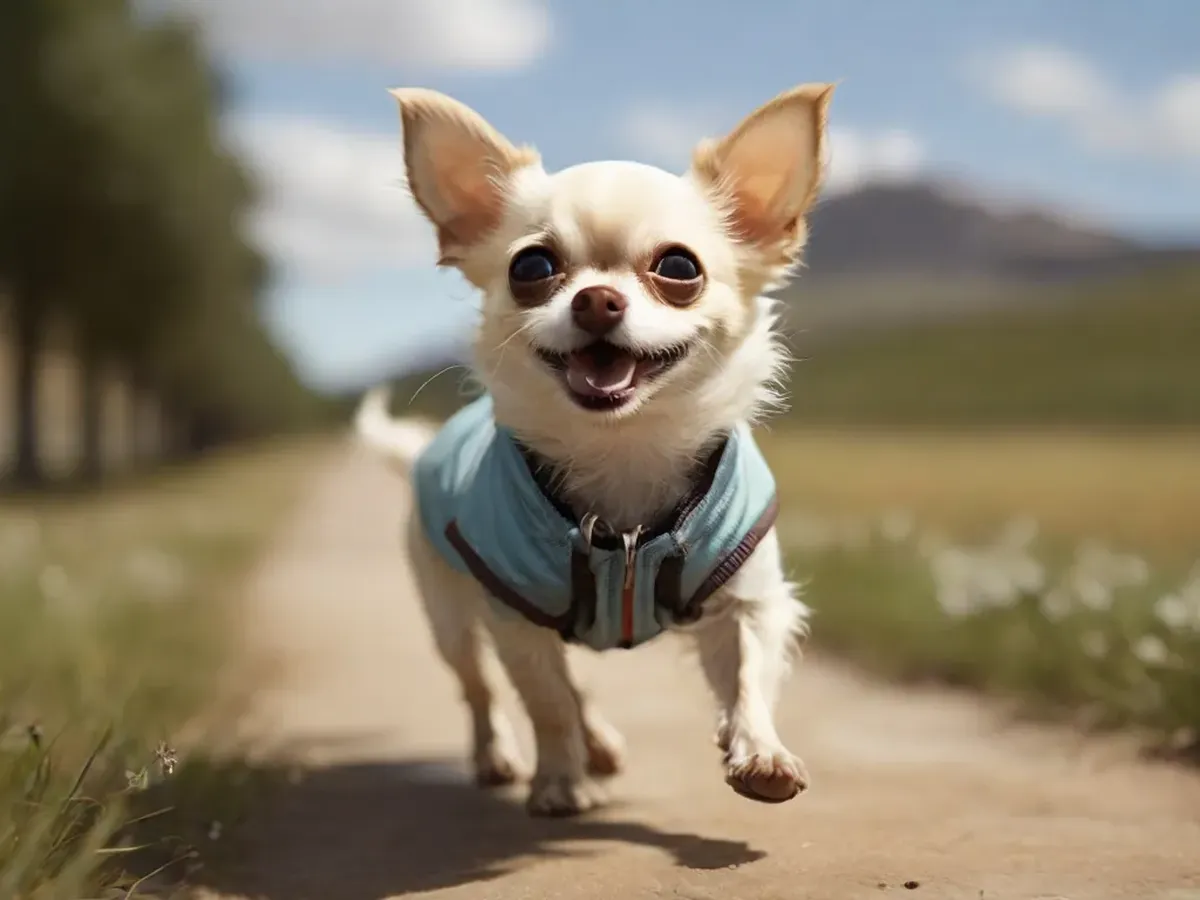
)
(1137, 490)
(116, 628)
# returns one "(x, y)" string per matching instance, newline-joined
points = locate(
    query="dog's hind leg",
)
(453, 605)
(746, 641)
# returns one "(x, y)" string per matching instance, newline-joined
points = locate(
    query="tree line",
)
(124, 214)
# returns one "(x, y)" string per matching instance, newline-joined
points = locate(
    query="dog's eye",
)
(532, 264)
(677, 265)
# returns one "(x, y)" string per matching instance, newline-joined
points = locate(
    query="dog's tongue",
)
(600, 370)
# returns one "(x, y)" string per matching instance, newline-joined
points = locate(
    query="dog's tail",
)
(399, 441)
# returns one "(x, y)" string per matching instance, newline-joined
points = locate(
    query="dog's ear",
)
(459, 168)
(768, 170)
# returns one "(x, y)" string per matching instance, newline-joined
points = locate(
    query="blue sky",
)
(1088, 105)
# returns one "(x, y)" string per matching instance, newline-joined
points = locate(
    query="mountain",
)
(899, 253)
(936, 229)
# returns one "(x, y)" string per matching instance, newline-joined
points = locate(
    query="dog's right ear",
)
(458, 166)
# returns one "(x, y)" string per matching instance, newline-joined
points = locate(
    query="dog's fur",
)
(740, 211)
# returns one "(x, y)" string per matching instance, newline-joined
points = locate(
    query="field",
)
(1058, 568)
(117, 638)
(1095, 356)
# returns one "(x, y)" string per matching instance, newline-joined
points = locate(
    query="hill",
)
(937, 229)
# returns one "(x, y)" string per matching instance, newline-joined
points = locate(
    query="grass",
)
(1109, 356)
(116, 651)
(1139, 490)
(1060, 569)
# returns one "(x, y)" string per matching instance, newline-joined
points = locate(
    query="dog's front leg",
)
(536, 661)
(746, 641)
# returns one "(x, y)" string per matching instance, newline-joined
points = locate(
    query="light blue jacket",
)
(486, 505)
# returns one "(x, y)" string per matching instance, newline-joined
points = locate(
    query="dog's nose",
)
(598, 310)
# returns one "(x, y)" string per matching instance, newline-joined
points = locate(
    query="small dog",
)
(605, 487)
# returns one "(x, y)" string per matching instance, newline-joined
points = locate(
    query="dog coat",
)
(488, 505)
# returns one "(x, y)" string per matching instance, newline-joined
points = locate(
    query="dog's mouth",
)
(605, 377)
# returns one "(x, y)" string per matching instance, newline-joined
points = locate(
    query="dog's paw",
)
(605, 750)
(766, 776)
(496, 767)
(563, 795)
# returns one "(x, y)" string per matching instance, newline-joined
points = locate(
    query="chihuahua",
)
(605, 488)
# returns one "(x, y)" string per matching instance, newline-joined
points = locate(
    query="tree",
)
(52, 173)
(122, 210)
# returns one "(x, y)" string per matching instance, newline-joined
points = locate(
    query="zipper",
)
(630, 539)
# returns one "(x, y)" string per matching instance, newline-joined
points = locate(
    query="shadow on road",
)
(373, 830)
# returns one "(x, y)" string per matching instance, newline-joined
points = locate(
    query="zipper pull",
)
(631, 539)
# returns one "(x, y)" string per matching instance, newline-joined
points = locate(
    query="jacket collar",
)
(604, 536)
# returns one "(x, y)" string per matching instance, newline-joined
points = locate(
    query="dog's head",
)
(616, 293)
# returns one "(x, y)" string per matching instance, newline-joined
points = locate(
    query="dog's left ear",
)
(459, 168)
(768, 170)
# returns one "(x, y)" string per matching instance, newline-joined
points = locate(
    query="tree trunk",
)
(29, 337)
(91, 412)
(137, 417)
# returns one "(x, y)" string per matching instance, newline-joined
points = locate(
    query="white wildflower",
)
(995, 586)
(1056, 604)
(1151, 650)
(1116, 570)
(955, 601)
(1190, 592)
(1093, 593)
(1027, 574)
(974, 580)
(897, 526)
(1174, 611)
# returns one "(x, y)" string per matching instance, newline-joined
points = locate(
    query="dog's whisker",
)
(428, 381)
(500, 348)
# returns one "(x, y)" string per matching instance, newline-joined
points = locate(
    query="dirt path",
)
(923, 787)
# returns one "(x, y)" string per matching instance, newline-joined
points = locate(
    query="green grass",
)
(118, 654)
(1115, 356)
(1061, 570)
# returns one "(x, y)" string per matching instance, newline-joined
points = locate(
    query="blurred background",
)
(991, 463)
(206, 235)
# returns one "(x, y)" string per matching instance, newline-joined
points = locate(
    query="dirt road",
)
(921, 787)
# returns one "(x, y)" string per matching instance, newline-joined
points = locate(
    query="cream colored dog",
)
(624, 339)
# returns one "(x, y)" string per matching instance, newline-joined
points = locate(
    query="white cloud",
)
(856, 158)
(335, 200)
(1054, 84)
(666, 137)
(489, 35)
